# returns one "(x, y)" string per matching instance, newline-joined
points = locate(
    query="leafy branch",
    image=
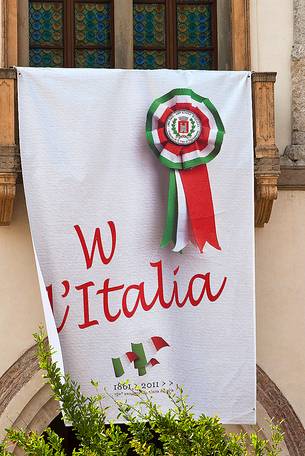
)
(174, 128)
(150, 431)
(193, 127)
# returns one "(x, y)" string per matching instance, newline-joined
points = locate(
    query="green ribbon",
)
(169, 233)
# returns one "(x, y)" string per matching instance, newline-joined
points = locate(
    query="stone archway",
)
(25, 401)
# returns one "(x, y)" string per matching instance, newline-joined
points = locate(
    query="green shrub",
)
(149, 432)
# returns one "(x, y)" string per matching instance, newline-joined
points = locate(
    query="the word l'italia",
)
(119, 300)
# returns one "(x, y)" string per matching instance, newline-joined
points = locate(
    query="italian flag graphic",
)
(141, 355)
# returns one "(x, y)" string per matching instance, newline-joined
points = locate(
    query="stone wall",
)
(295, 153)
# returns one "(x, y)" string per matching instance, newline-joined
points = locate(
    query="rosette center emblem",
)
(183, 127)
(185, 132)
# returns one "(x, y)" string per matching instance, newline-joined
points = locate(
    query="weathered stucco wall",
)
(280, 245)
(280, 291)
(271, 45)
(21, 311)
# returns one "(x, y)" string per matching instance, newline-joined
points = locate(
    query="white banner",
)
(97, 197)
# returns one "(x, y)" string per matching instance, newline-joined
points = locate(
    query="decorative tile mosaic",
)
(149, 25)
(46, 23)
(46, 57)
(92, 24)
(194, 26)
(92, 58)
(147, 60)
(195, 60)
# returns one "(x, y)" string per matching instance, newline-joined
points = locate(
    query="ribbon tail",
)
(198, 194)
(183, 234)
(169, 233)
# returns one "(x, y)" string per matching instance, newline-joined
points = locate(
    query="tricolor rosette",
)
(185, 132)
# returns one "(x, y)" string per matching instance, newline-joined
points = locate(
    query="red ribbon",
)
(199, 202)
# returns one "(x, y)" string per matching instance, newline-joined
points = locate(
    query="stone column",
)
(294, 154)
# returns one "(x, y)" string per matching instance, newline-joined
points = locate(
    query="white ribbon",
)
(183, 232)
